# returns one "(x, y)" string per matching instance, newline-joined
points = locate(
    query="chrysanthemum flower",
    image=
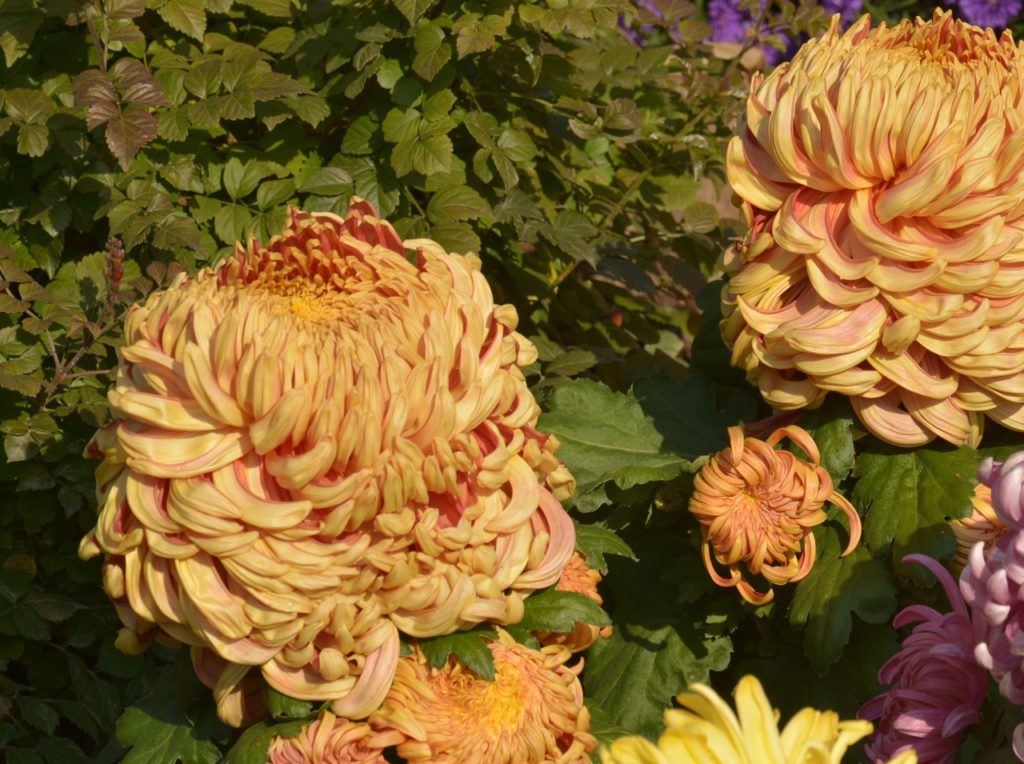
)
(531, 712)
(707, 731)
(321, 440)
(936, 687)
(882, 176)
(757, 506)
(982, 525)
(993, 583)
(329, 740)
(578, 577)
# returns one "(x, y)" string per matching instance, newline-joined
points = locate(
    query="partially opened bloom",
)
(936, 686)
(329, 740)
(983, 524)
(757, 506)
(578, 577)
(707, 731)
(882, 176)
(321, 442)
(531, 712)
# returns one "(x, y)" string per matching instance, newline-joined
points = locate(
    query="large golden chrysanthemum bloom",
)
(707, 731)
(882, 175)
(329, 740)
(983, 524)
(757, 506)
(532, 712)
(321, 442)
(578, 577)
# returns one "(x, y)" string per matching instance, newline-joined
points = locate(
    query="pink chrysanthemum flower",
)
(757, 506)
(578, 577)
(531, 712)
(317, 444)
(936, 686)
(882, 177)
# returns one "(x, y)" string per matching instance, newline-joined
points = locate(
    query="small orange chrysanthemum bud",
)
(882, 175)
(578, 577)
(983, 524)
(531, 712)
(757, 506)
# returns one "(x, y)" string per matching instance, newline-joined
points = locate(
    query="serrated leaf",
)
(692, 430)
(276, 8)
(634, 674)
(571, 232)
(413, 9)
(129, 131)
(241, 180)
(18, 25)
(476, 35)
(457, 203)
(157, 732)
(606, 436)
(594, 542)
(836, 588)
(311, 109)
(282, 706)
(187, 16)
(558, 611)
(456, 237)
(230, 223)
(327, 181)
(375, 184)
(427, 157)
(432, 50)
(570, 363)
(26, 106)
(361, 136)
(273, 193)
(907, 496)
(136, 84)
(468, 646)
(401, 125)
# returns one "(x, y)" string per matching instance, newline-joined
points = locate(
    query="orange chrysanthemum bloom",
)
(757, 506)
(329, 740)
(532, 712)
(321, 442)
(882, 175)
(983, 524)
(578, 577)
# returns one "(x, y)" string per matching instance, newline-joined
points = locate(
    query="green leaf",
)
(361, 137)
(19, 21)
(276, 8)
(427, 157)
(557, 611)
(692, 430)
(273, 193)
(327, 181)
(457, 203)
(241, 180)
(252, 746)
(836, 588)
(594, 542)
(432, 50)
(571, 232)
(188, 16)
(230, 223)
(906, 497)
(38, 713)
(413, 9)
(401, 125)
(831, 426)
(468, 646)
(476, 34)
(607, 436)
(570, 363)
(456, 237)
(283, 706)
(158, 732)
(634, 674)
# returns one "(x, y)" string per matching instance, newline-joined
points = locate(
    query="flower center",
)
(495, 707)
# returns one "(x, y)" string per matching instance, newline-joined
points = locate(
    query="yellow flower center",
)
(495, 707)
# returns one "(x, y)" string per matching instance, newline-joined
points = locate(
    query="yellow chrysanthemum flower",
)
(317, 444)
(882, 175)
(707, 731)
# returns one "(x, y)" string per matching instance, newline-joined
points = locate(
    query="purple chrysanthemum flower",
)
(990, 13)
(936, 686)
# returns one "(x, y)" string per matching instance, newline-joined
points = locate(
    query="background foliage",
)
(140, 137)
